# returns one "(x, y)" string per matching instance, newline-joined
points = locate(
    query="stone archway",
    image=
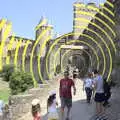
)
(77, 59)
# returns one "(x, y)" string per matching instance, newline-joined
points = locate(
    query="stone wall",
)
(21, 104)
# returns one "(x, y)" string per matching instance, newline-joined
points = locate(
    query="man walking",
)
(65, 93)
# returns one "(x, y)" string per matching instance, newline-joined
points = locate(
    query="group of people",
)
(98, 87)
(66, 100)
(93, 85)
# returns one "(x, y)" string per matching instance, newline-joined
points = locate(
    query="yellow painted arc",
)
(9, 48)
(52, 46)
(2, 23)
(107, 36)
(41, 24)
(108, 18)
(24, 54)
(100, 50)
(31, 58)
(110, 12)
(11, 42)
(84, 20)
(8, 60)
(70, 51)
(89, 14)
(63, 59)
(17, 52)
(110, 4)
(41, 50)
(77, 42)
(5, 35)
(100, 12)
(55, 58)
(79, 5)
(58, 52)
(104, 7)
(114, 34)
(93, 8)
(94, 51)
(110, 70)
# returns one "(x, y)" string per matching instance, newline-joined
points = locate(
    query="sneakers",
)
(67, 118)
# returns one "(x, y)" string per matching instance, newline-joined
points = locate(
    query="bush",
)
(7, 72)
(20, 81)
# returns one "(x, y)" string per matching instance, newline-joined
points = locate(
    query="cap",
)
(35, 102)
(52, 92)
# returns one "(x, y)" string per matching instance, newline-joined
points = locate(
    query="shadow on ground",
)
(80, 111)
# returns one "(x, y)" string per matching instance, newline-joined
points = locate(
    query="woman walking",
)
(88, 87)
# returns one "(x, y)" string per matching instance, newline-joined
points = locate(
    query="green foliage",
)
(4, 95)
(20, 81)
(7, 72)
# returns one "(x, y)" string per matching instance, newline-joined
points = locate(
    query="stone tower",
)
(4, 40)
(83, 14)
(43, 34)
(40, 28)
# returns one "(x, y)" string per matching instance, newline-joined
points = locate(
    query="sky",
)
(26, 14)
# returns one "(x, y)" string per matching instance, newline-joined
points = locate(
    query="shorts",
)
(53, 116)
(99, 97)
(66, 102)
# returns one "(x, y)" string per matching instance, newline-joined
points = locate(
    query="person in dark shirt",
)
(107, 91)
(65, 93)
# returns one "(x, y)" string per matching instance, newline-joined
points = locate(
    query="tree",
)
(7, 71)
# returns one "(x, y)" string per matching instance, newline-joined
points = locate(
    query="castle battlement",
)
(90, 7)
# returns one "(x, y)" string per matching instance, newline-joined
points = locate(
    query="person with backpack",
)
(65, 94)
(107, 92)
(99, 92)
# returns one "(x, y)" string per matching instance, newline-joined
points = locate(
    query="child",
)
(36, 109)
(51, 107)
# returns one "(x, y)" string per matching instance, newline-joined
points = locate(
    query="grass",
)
(4, 95)
(4, 91)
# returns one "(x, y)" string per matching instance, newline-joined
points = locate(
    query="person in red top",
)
(65, 94)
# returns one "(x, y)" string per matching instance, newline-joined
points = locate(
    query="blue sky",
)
(25, 14)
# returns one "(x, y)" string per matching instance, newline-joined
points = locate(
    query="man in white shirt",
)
(99, 92)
